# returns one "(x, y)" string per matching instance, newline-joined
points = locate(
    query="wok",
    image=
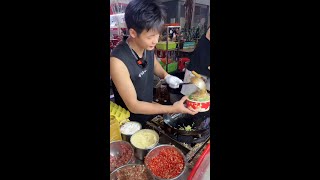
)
(200, 123)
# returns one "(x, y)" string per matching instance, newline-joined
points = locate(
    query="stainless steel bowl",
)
(155, 151)
(115, 150)
(141, 153)
(126, 137)
(124, 168)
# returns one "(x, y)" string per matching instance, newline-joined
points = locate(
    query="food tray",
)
(201, 170)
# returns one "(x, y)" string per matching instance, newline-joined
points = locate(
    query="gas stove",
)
(189, 145)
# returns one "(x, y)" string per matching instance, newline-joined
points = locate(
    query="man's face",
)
(148, 39)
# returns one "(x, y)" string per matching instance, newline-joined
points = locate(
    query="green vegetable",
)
(187, 128)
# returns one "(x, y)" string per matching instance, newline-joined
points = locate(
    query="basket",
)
(162, 45)
(172, 67)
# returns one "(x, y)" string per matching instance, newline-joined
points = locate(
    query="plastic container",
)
(172, 67)
(163, 45)
(115, 134)
(189, 44)
(201, 170)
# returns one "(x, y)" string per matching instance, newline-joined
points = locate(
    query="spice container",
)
(143, 141)
(128, 129)
(121, 153)
(115, 134)
(165, 162)
(131, 171)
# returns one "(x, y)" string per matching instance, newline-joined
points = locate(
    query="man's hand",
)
(179, 106)
(173, 81)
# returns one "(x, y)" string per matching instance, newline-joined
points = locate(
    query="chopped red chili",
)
(169, 163)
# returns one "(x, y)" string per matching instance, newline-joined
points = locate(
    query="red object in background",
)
(198, 163)
(164, 60)
(182, 63)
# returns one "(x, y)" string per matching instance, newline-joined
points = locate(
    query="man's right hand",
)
(180, 107)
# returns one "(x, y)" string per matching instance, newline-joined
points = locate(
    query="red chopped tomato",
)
(169, 163)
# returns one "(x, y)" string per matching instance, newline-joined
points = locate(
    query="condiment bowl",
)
(118, 149)
(155, 152)
(127, 135)
(139, 152)
(131, 171)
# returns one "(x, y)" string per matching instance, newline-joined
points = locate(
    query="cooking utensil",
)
(197, 81)
(200, 123)
(179, 84)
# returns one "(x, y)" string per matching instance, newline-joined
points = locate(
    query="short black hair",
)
(145, 15)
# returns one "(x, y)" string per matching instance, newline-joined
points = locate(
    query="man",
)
(200, 63)
(133, 64)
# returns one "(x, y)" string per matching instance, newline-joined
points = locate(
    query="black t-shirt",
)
(142, 78)
(200, 59)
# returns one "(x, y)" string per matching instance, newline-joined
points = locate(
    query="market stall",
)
(168, 146)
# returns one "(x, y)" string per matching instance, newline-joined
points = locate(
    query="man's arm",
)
(121, 79)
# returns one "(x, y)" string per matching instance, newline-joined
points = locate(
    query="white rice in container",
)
(130, 128)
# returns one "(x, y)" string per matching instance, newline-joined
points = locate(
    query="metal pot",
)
(126, 137)
(155, 151)
(141, 153)
(115, 149)
(200, 123)
(115, 173)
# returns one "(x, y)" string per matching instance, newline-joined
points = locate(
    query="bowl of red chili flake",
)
(121, 153)
(165, 162)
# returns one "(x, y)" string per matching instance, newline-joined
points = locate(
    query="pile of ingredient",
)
(199, 96)
(187, 128)
(121, 158)
(169, 163)
(136, 172)
(130, 128)
(144, 139)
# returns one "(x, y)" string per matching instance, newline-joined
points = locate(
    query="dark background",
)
(56, 82)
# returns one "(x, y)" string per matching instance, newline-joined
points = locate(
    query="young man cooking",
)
(133, 64)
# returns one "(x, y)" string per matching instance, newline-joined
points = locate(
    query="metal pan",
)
(199, 123)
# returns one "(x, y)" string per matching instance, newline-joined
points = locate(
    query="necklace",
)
(134, 53)
(140, 61)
